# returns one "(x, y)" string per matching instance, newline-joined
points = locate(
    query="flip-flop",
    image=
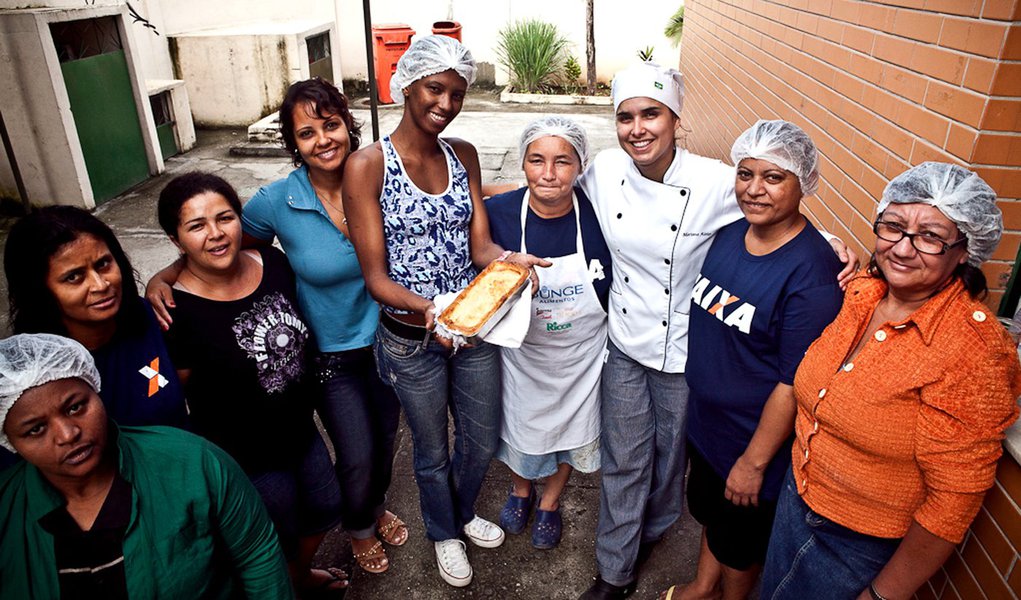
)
(670, 592)
(394, 531)
(323, 591)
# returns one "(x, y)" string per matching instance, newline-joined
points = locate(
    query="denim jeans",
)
(812, 557)
(302, 501)
(428, 381)
(644, 414)
(360, 414)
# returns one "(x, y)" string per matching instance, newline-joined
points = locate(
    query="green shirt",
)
(198, 528)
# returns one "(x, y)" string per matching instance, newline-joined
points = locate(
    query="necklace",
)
(322, 198)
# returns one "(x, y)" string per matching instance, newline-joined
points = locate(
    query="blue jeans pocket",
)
(814, 520)
(397, 347)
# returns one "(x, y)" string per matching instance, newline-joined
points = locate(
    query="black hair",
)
(185, 187)
(327, 100)
(32, 242)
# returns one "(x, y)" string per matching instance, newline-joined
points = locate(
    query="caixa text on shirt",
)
(722, 304)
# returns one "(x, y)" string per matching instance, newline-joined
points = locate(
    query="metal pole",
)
(373, 92)
(14, 165)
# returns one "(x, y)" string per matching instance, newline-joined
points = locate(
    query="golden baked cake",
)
(483, 298)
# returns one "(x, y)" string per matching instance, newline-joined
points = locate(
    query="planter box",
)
(508, 96)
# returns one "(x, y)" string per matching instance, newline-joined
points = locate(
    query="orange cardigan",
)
(912, 429)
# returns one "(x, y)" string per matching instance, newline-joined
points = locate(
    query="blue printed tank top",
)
(426, 235)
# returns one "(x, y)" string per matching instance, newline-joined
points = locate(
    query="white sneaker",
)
(453, 562)
(483, 533)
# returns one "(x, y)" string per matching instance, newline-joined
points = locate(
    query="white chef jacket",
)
(658, 235)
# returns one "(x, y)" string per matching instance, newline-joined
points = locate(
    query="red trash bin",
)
(448, 28)
(392, 40)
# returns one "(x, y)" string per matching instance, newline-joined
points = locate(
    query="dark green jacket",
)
(198, 528)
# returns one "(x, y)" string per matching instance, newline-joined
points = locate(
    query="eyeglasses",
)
(926, 243)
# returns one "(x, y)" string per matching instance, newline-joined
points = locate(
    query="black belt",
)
(402, 329)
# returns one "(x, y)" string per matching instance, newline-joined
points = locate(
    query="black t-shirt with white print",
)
(250, 390)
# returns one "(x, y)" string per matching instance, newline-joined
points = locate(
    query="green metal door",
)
(103, 104)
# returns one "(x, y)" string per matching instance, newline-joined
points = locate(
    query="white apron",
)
(551, 383)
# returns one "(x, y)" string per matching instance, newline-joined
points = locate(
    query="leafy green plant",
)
(675, 26)
(572, 72)
(534, 53)
(645, 54)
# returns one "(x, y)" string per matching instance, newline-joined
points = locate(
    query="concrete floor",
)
(515, 569)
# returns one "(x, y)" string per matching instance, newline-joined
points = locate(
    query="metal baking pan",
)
(506, 302)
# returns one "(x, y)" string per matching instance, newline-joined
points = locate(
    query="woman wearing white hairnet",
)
(901, 403)
(98, 511)
(419, 227)
(766, 290)
(659, 207)
(551, 383)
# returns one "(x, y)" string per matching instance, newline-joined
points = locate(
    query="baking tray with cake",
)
(480, 306)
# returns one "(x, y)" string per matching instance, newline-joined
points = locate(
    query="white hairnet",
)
(556, 126)
(430, 55)
(961, 195)
(785, 145)
(649, 80)
(29, 360)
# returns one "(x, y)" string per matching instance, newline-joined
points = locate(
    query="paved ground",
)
(515, 569)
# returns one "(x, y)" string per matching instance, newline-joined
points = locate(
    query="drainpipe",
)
(373, 99)
(6, 139)
(367, 21)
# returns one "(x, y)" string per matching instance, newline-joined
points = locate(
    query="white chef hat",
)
(961, 195)
(649, 80)
(29, 360)
(785, 145)
(430, 55)
(558, 126)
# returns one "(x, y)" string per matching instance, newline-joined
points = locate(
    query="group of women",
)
(684, 312)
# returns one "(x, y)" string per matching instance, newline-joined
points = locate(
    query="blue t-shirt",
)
(752, 319)
(331, 290)
(138, 383)
(551, 238)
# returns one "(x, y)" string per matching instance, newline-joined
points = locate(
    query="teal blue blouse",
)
(331, 290)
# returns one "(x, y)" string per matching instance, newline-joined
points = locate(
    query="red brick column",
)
(880, 86)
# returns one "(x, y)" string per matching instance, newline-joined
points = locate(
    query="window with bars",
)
(318, 47)
(161, 111)
(76, 40)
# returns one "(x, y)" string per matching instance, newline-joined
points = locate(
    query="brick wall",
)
(986, 564)
(880, 86)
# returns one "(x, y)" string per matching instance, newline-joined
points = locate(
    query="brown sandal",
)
(374, 555)
(394, 531)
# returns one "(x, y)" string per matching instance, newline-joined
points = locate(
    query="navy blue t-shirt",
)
(551, 238)
(752, 319)
(139, 385)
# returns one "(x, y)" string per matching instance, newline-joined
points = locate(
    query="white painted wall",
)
(621, 28)
(237, 75)
(38, 117)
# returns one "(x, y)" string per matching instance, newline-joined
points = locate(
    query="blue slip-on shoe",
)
(547, 528)
(515, 514)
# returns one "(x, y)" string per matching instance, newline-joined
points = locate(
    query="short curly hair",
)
(327, 100)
